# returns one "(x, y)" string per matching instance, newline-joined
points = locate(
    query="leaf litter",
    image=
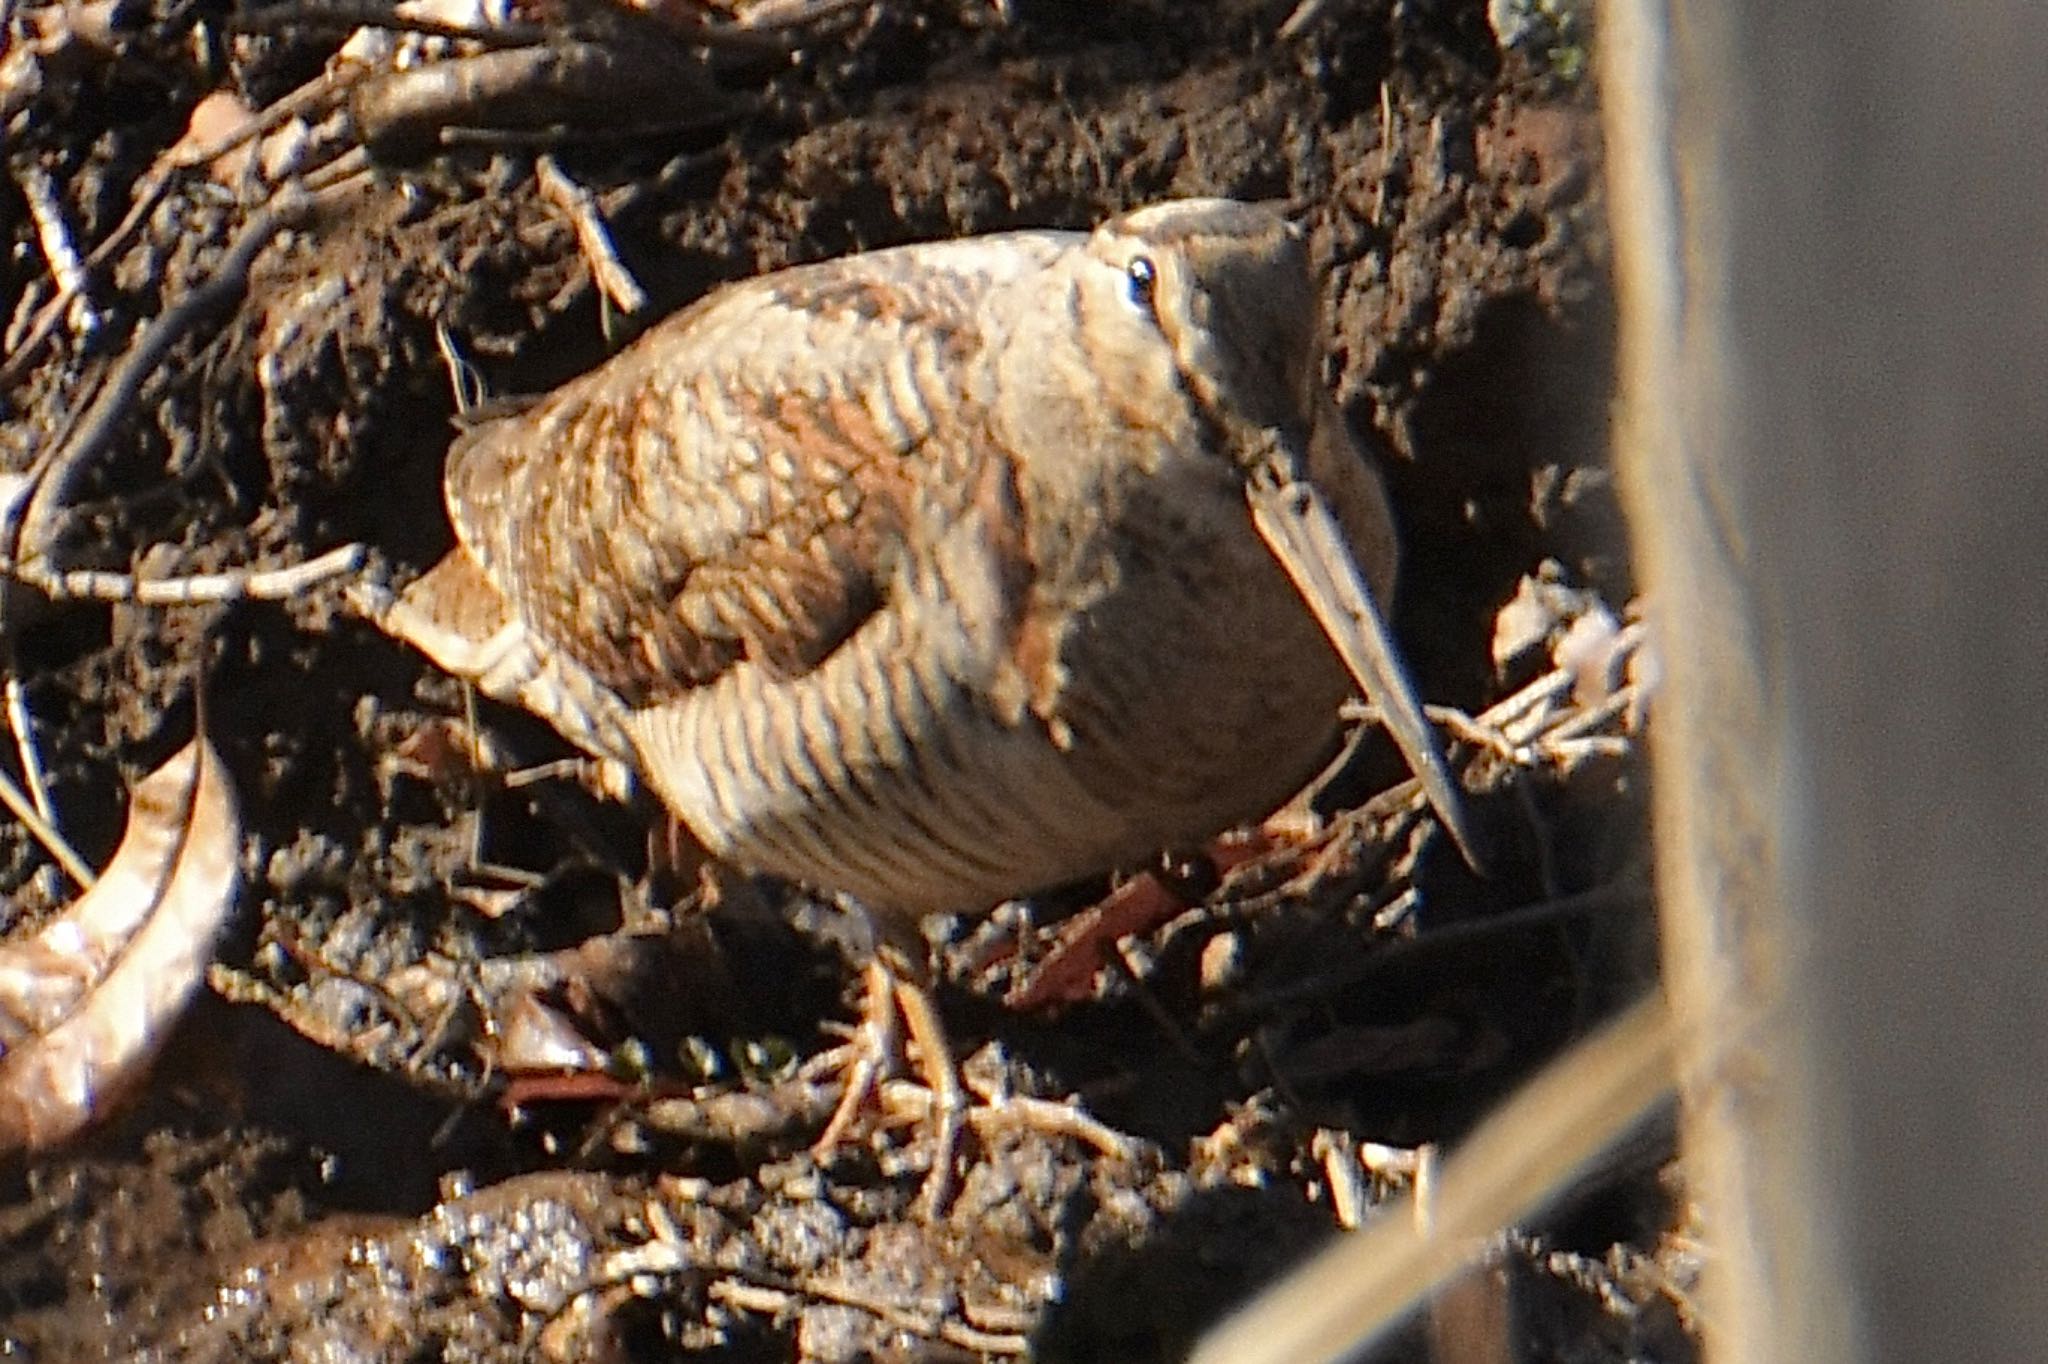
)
(87, 1000)
(1456, 213)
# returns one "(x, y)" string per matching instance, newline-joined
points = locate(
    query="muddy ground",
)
(350, 1151)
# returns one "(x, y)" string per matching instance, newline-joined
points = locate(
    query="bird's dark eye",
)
(1144, 278)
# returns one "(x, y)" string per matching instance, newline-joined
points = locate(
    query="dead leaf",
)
(87, 1000)
(534, 1039)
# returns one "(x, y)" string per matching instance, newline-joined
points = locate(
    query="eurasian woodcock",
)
(941, 574)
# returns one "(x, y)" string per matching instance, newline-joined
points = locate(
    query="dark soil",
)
(333, 1160)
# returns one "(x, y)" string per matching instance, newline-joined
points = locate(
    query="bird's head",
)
(1225, 290)
(1225, 287)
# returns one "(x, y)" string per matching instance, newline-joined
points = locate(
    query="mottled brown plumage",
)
(928, 575)
(943, 574)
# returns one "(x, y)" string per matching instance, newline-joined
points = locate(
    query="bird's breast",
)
(1180, 688)
(1196, 688)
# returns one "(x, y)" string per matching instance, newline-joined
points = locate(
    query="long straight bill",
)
(1297, 526)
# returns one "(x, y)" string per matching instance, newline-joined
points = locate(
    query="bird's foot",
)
(875, 1053)
(872, 1059)
(995, 1110)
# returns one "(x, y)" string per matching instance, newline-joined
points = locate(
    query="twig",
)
(1395, 958)
(802, 15)
(22, 318)
(1617, 704)
(579, 205)
(1526, 1153)
(564, 134)
(306, 98)
(1343, 1175)
(350, 15)
(1511, 727)
(46, 833)
(46, 317)
(1127, 957)
(464, 381)
(156, 184)
(1389, 150)
(755, 1298)
(761, 35)
(348, 166)
(270, 584)
(1387, 130)
(56, 474)
(773, 1301)
(1536, 699)
(1474, 732)
(46, 210)
(1304, 14)
(20, 725)
(1567, 752)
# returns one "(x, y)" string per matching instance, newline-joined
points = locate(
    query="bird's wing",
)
(738, 484)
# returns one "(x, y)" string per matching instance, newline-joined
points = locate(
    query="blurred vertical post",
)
(1832, 250)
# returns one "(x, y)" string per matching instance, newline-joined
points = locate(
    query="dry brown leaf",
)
(534, 1039)
(86, 1001)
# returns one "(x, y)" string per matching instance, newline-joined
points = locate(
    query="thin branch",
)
(800, 16)
(1511, 727)
(53, 234)
(350, 165)
(304, 100)
(350, 15)
(60, 471)
(772, 1300)
(579, 205)
(1392, 959)
(21, 726)
(46, 833)
(272, 584)
(157, 183)
(1303, 14)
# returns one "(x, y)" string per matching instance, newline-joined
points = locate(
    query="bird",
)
(936, 575)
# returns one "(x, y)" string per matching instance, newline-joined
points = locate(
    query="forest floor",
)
(353, 1146)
